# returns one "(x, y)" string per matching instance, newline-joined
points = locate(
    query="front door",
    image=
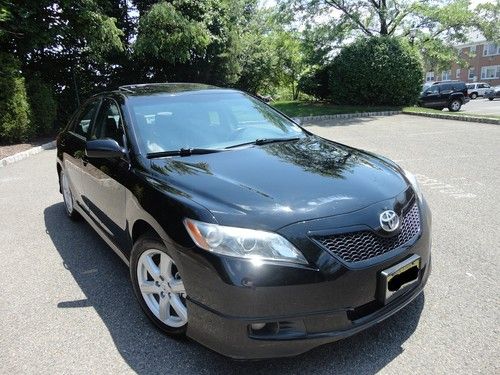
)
(432, 97)
(104, 191)
(73, 144)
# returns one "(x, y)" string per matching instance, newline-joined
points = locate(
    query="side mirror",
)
(104, 148)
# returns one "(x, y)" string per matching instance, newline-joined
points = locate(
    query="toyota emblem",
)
(389, 221)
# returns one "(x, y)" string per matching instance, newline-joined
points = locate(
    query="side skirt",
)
(102, 234)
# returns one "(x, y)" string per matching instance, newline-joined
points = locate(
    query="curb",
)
(346, 115)
(484, 120)
(25, 154)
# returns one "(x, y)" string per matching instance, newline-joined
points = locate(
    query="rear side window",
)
(84, 121)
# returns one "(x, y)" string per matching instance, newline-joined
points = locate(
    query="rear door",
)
(482, 88)
(73, 145)
(103, 179)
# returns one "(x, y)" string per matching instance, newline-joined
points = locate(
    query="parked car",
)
(444, 94)
(477, 89)
(241, 229)
(492, 93)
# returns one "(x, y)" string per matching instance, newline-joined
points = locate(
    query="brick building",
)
(483, 65)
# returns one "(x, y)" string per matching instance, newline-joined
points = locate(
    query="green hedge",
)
(376, 71)
(43, 105)
(15, 124)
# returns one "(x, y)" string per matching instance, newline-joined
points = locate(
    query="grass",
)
(303, 109)
(447, 113)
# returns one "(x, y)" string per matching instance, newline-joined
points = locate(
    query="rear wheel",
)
(158, 285)
(490, 98)
(473, 95)
(455, 105)
(69, 202)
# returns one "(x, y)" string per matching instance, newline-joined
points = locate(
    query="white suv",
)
(477, 89)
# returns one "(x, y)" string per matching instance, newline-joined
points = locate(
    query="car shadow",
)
(104, 280)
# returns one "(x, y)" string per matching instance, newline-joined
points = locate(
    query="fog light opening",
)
(257, 326)
(264, 329)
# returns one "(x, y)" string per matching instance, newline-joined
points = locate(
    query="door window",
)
(433, 90)
(109, 123)
(83, 123)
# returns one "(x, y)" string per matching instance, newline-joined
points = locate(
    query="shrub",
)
(377, 71)
(315, 82)
(15, 122)
(43, 105)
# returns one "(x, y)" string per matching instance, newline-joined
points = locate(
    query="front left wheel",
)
(158, 285)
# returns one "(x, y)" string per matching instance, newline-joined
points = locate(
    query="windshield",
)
(206, 120)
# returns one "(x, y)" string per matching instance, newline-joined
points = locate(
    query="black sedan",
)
(241, 229)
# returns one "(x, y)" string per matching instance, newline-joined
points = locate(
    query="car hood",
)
(273, 185)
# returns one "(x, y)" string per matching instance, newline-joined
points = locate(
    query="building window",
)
(446, 75)
(457, 75)
(472, 50)
(490, 72)
(429, 76)
(491, 49)
(472, 73)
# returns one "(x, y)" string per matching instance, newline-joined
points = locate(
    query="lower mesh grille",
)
(358, 246)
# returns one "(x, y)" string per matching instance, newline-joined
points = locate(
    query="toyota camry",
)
(241, 229)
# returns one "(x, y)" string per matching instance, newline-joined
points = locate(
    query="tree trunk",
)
(383, 18)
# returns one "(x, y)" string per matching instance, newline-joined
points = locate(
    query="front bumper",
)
(306, 307)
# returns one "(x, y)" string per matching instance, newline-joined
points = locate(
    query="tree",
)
(376, 71)
(15, 122)
(447, 22)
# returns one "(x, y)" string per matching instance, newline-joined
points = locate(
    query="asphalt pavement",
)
(66, 304)
(482, 106)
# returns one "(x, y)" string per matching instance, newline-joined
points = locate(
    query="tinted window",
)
(83, 123)
(470, 87)
(108, 124)
(211, 120)
(433, 90)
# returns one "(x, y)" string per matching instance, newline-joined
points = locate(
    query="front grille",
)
(358, 246)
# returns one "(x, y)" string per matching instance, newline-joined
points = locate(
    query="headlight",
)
(244, 243)
(414, 184)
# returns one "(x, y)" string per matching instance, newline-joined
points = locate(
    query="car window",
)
(470, 87)
(205, 120)
(109, 123)
(83, 123)
(433, 90)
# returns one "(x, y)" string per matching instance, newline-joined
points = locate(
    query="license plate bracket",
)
(398, 279)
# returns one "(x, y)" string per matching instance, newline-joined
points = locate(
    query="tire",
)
(455, 105)
(158, 286)
(69, 201)
(491, 99)
(473, 95)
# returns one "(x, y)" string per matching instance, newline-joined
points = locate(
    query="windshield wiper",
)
(263, 141)
(182, 152)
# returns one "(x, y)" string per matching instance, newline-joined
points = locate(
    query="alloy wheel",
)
(162, 287)
(455, 105)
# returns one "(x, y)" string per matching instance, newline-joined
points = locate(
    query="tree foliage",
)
(376, 71)
(15, 122)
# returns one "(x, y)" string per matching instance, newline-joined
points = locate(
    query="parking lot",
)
(482, 106)
(66, 304)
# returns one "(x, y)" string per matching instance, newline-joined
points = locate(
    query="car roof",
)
(146, 89)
